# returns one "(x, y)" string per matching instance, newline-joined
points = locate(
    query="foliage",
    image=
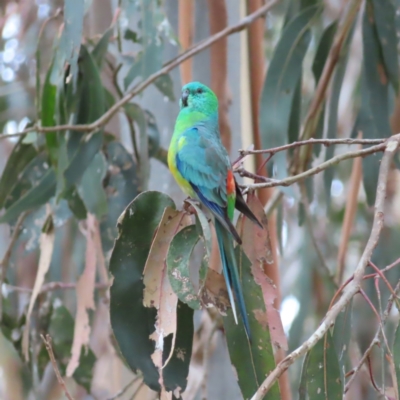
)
(77, 194)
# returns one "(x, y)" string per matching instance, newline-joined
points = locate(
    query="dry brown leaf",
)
(46, 251)
(158, 292)
(256, 245)
(85, 297)
(214, 292)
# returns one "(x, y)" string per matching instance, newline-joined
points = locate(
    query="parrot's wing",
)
(204, 163)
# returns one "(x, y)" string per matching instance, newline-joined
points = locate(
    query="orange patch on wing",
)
(230, 183)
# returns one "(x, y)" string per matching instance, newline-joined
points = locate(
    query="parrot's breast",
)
(177, 144)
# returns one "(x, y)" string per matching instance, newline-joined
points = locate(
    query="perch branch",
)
(312, 171)
(354, 286)
(96, 125)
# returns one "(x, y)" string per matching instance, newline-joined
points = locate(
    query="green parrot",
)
(200, 164)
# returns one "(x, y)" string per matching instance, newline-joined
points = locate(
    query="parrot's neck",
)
(188, 118)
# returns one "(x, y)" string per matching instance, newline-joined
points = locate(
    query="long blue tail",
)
(231, 274)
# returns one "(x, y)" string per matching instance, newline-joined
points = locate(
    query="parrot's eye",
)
(199, 90)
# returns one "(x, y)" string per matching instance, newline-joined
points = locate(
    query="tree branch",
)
(354, 286)
(96, 125)
(312, 171)
(47, 343)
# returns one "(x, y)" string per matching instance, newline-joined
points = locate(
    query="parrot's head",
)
(198, 97)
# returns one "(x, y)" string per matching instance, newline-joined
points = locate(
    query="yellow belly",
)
(182, 182)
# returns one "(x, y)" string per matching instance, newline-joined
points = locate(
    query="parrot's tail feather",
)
(231, 274)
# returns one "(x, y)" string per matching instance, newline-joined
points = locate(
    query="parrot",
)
(200, 165)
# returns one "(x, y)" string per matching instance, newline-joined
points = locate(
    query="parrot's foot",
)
(187, 205)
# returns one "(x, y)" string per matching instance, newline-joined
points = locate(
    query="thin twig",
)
(7, 255)
(96, 125)
(312, 171)
(354, 286)
(47, 343)
(375, 340)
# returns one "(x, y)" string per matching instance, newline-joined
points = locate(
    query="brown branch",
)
(47, 343)
(96, 125)
(354, 286)
(7, 255)
(375, 340)
(312, 171)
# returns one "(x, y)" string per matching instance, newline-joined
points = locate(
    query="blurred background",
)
(325, 233)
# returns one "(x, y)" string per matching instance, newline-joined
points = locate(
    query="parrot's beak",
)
(184, 98)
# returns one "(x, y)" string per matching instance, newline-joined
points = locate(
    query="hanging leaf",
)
(91, 188)
(176, 372)
(20, 157)
(322, 371)
(138, 115)
(122, 186)
(280, 85)
(252, 361)
(384, 17)
(333, 110)
(149, 59)
(61, 330)
(165, 85)
(83, 147)
(100, 50)
(178, 258)
(131, 322)
(373, 118)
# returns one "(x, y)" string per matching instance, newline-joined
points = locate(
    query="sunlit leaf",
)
(131, 322)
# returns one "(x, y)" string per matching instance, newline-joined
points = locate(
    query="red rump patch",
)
(230, 183)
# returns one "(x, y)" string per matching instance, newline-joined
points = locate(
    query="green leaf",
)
(341, 338)
(20, 157)
(91, 188)
(396, 354)
(333, 109)
(385, 22)
(323, 371)
(179, 253)
(138, 115)
(49, 110)
(323, 49)
(153, 134)
(122, 186)
(373, 117)
(149, 60)
(100, 50)
(72, 34)
(295, 116)
(280, 85)
(61, 330)
(165, 85)
(82, 148)
(253, 361)
(131, 322)
(76, 204)
(34, 197)
(176, 372)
